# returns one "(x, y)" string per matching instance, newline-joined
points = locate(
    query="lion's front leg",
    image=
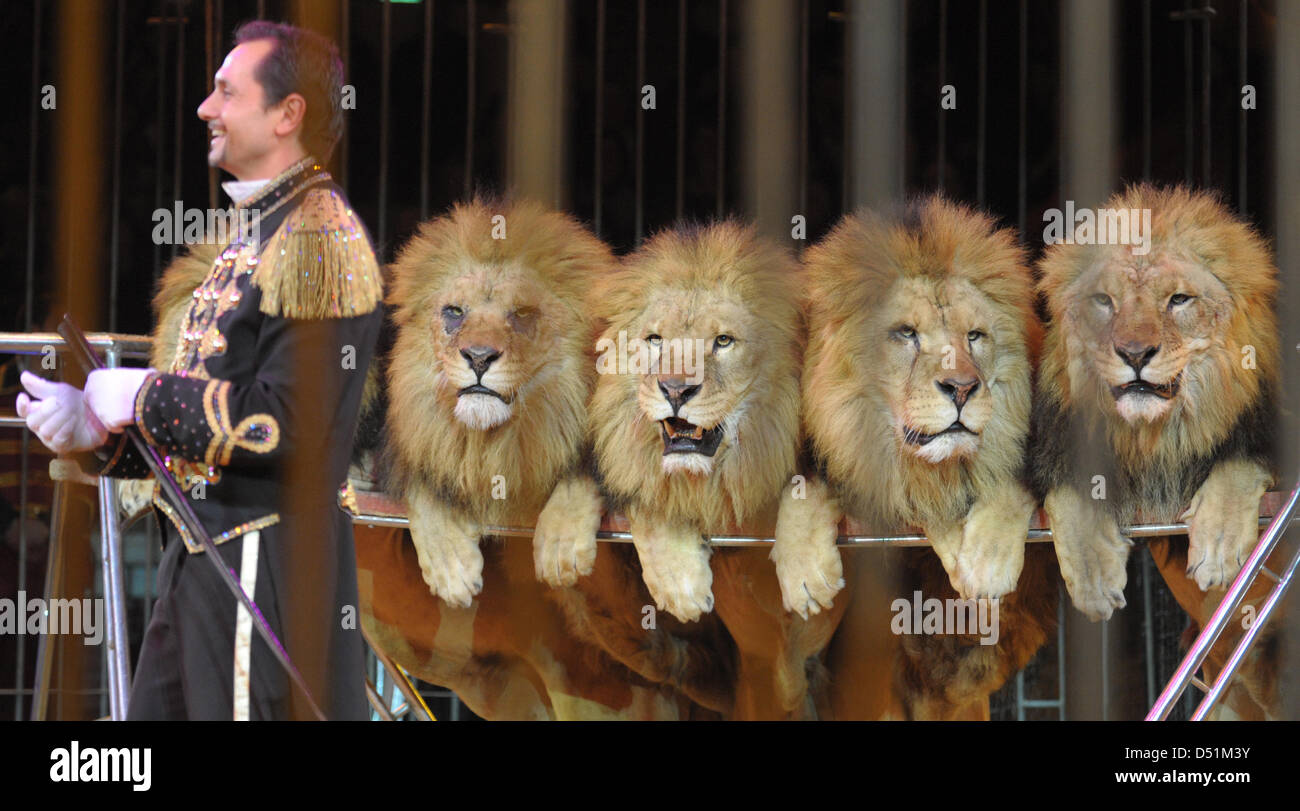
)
(564, 542)
(675, 567)
(992, 549)
(808, 564)
(1091, 551)
(446, 544)
(1223, 522)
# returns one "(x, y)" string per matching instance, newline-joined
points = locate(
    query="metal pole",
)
(1247, 640)
(1226, 611)
(876, 63)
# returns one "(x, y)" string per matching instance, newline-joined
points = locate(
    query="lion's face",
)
(490, 371)
(703, 349)
(939, 347)
(696, 408)
(1148, 330)
(493, 329)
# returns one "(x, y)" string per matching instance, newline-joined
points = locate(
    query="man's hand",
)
(110, 394)
(59, 416)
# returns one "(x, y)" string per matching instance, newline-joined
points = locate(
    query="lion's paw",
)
(447, 549)
(564, 542)
(992, 550)
(1223, 523)
(1092, 552)
(808, 564)
(675, 567)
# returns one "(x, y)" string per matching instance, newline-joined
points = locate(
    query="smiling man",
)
(229, 413)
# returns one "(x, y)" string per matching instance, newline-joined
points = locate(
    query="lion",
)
(695, 418)
(916, 396)
(488, 379)
(1156, 391)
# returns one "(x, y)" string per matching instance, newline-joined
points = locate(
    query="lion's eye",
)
(654, 339)
(905, 332)
(1101, 300)
(452, 316)
(1179, 298)
(723, 340)
(974, 335)
(453, 311)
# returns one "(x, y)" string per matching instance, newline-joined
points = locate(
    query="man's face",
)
(241, 129)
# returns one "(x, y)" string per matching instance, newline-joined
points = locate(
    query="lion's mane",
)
(1224, 410)
(425, 445)
(846, 409)
(724, 257)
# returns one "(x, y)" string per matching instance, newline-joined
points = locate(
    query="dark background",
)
(149, 126)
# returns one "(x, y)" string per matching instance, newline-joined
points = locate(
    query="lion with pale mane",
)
(489, 379)
(689, 451)
(1156, 392)
(916, 395)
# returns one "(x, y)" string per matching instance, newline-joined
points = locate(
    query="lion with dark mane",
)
(1156, 402)
(1157, 384)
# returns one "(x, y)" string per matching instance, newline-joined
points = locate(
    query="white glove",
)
(59, 416)
(110, 394)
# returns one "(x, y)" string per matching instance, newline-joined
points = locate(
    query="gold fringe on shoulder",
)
(320, 263)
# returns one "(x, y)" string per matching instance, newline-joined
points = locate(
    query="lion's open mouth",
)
(914, 437)
(479, 388)
(1164, 391)
(681, 436)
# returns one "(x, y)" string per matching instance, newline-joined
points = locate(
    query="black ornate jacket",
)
(302, 281)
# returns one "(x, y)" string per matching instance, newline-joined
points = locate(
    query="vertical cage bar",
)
(471, 76)
(639, 165)
(385, 70)
(1022, 159)
(424, 110)
(876, 106)
(345, 52)
(29, 294)
(1146, 89)
(722, 108)
(178, 125)
(681, 107)
(1242, 53)
(982, 105)
(116, 214)
(1189, 100)
(803, 110)
(598, 192)
(210, 37)
(159, 114)
(1206, 179)
(943, 80)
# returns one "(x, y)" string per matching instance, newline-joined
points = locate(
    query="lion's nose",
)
(959, 391)
(480, 358)
(1136, 355)
(677, 392)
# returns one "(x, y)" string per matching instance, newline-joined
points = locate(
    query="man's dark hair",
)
(305, 63)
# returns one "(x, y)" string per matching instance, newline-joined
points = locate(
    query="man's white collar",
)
(240, 190)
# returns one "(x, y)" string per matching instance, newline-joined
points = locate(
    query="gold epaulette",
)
(320, 263)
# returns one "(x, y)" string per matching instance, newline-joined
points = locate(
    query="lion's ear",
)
(320, 263)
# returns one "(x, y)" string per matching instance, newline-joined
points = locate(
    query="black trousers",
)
(187, 665)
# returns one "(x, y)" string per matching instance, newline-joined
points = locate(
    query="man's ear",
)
(293, 108)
